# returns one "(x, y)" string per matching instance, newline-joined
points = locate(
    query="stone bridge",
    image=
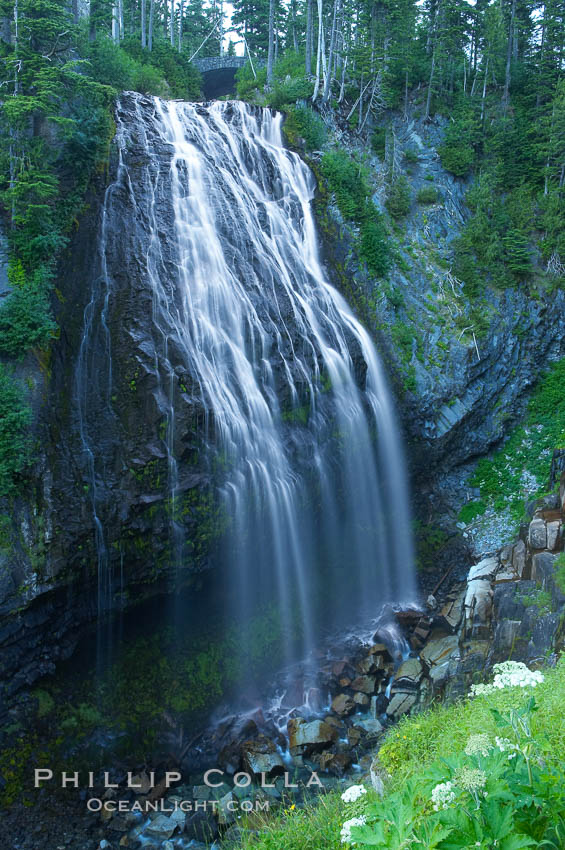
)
(219, 63)
(218, 73)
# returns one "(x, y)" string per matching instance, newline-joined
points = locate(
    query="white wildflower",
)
(509, 674)
(478, 745)
(352, 794)
(347, 826)
(443, 795)
(471, 779)
(504, 744)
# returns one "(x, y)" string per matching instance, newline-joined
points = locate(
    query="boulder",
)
(354, 735)
(365, 684)
(224, 814)
(543, 565)
(161, 828)
(537, 534)
(308, 737)
(400, 704)
(361, 699)
(336, 763)
(451, 614)
(439, 650)
(505, 636)
(366, 665)
(519, 558)
(370, 725)
(262, 756)
(342, 704)
(380, 649)
(553, 535)
(408, 675)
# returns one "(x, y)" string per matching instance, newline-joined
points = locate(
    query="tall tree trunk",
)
(172, 30)
(293, 19)
(151, 23)
(430, 83)
(181, 12)
(74, 10)
(115, 22)
(271, 52)
(319, 52)
(506, 92)
(143, 24)
(221, 30)
(309, 27)
(329, 73)
(484, 92)
(92, 21)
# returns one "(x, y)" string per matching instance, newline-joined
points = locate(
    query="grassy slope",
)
(409, 752)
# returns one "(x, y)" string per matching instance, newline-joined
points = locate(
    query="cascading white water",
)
(296, 405)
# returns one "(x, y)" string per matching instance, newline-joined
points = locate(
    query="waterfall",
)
(297, 419)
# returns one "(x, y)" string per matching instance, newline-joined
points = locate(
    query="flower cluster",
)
(443, 795)
(478, 745)
(347, 826)
(509, 674)
(353, 793)
(471, 779)
(505, 744)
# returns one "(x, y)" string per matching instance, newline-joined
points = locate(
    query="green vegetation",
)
(427, 195)
(472, 510)
(466, 744)
(14, 442)
(347, 181)
(520, 467)
(398, 198)
(430, 540)
(302, 123)
(560, 572)
(540, 598)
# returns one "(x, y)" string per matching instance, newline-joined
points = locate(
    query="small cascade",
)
(296, 418)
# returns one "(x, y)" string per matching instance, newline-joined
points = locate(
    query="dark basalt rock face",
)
(101, 431)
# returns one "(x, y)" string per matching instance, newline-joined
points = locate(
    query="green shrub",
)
(457, 153)
(472, 510)
(411, 155)
(247, 83)
(149, 80)
(304, 123)
(427, 195)
(169, 71)
(457, 158)
(560, 572)
(398, 197)
(289, 92)
(378, 141)
(346, 180)
(109, 64)
(25, 320)
(15, 417)
(374, 248)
